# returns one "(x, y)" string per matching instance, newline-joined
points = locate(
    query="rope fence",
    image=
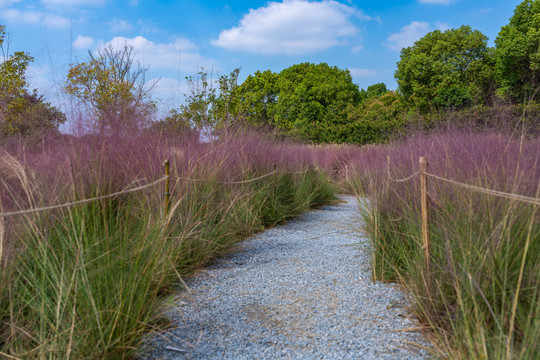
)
(511, 196)
(424, 203)
(223, 182)
(404, 179)
(522, 198)
(165, 179)
(69, 204)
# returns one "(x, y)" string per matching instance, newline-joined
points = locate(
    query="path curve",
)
(301, 290)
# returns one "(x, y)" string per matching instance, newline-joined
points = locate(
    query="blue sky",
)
(175, 38)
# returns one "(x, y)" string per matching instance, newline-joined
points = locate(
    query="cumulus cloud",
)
(38, 77)
(357, 49)
(408, 35)
(35, 17)
(118, 25)
(363, 73)
(442, 26)
(83, 42)
(8, 2)
(292, 27)
(168, 90)
(181, 52)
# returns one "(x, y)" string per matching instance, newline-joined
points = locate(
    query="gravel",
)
(301, 290)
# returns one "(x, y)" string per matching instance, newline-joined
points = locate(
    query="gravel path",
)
(297, 291)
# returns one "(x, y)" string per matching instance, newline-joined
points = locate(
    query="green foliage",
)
(442, 70)
(22, 113)
(373, 90)
(312, 101)
(207, 106)
(483, 298)
(308, 100)
(113, 89)
(376, 119)
(518, 53)
(224, 107)
(174, 123)
(88, 283)
(33, 118)
(257, 97)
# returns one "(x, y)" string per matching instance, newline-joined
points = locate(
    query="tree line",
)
(443, 72)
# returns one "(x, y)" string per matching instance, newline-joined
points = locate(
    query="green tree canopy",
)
(211, 105)
(309, 100)
(376, 119)
(442, 69)
(257, 97)
(22, 112)
(373, 90)
(112, 87)
(518, 53)
(312, 101)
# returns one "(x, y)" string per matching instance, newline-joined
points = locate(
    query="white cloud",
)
(38, 77)
(83, 42)
(118, 25)
(408, 35)
(74, 2)
(169, 91)
(145, 26)
(35, 17)
(8, 2)
(181, 52)
(362, 73)
(441, 2)
(357, 49)
(292, 27)
(442, 26)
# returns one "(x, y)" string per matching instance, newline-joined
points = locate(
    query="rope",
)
(295, 172)
(224, 182)
(53, 207)
(404, 179)
(238, 182)
(29, 211)
(530, 200)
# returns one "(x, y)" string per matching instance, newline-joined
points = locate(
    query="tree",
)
(196, 109)
(210, 105)
(312, 101)
(308, 100)
(113, 89)
(376, 119)
(225, 110)
(517, 54)
(21, 112)
(373, 90)
(257, 97)
(174, 123)
(441, 70)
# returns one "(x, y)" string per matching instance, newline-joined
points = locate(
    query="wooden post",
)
(167, 187)
(425, 215)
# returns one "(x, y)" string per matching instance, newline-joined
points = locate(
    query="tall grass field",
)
(87, 281)
(481, 298)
